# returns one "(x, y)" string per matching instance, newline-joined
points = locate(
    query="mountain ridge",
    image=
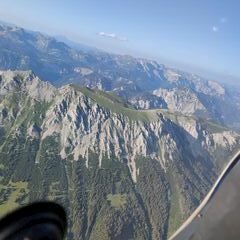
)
(156, 171)
(128, 146)
(144, 83)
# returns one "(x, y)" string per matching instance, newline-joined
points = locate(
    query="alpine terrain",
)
(144, 83)
(120, 172)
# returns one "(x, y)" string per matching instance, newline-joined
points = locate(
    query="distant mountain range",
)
(128, 146)
(144, 83)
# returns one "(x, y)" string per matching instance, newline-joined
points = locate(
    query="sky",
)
(195, 35)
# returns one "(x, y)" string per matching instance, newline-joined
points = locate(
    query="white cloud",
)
(113, 36)
(215, 29)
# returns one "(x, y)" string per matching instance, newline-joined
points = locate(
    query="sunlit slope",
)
(145, 83)
(121, 173)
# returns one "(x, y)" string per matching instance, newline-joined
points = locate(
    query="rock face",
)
(121, 173)
(144, 83)
(27, 82)
(183, 101)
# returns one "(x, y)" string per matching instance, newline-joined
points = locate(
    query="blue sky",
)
(199, 35)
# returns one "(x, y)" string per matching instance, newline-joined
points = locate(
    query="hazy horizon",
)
(198, 38)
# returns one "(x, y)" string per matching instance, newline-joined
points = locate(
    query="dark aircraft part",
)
(38, 221)
(218, 217)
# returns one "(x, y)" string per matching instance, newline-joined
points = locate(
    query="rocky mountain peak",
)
(26, 81)
(85, 147)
